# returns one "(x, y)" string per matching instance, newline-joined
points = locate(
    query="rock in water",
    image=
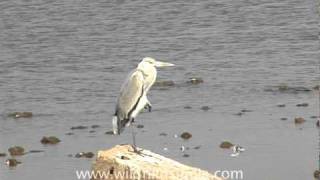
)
(226, 145)
(16, 151)
(299, 120)
(50, 140)
(186, 135)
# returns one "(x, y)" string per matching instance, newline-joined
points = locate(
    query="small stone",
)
(36, 151)
(95, 126)
(3, 154)
(109, 132)
(165, 149)
(317, 87)
(187, 107)
(92, 131)
(186, 135)
(16, 151)
(226, 145)
(303, 105)
(164, 83)
(313, 117)
(185, 155)
(205, 108)
(12, 162)
(197, 147)
(195, 80)
(182, 148)
(283, 87)
(69, 133)
(239, 114)
(316, 174)
(299, 120)
(163, 134)
(50, 140)
(283, 119)
(140, 126)
(318, 123)
(245, 110)
(281, 105)
(79, 127)
(21, 114)
(84, 154)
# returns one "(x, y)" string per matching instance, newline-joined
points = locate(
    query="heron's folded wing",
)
(130, 93)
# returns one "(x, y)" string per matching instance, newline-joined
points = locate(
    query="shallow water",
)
(65, 62)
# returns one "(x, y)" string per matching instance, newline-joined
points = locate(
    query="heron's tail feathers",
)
(116, 125)
(119, 125)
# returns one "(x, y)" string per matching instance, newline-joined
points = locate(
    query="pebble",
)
(79, 127)
(3, 154)
(299, 120)
(186, 135)
(12, 162)
(84, 154)
(21, 114)
(16, 151)
(303, 105)
(226, 145)
(195, 80)
(50, 140)
(109, 132)
(205, 108)
(140, 126)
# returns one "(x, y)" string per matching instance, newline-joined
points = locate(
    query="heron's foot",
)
(136, 150)
(149, 107)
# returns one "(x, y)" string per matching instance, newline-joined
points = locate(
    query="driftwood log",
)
(121, 163)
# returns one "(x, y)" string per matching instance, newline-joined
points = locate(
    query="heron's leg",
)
(134, 147)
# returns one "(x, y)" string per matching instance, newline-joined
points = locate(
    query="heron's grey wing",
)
(130, 93)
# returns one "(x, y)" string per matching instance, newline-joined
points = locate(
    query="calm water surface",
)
(65, 61)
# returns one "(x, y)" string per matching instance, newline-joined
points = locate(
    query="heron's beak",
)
(162, 64)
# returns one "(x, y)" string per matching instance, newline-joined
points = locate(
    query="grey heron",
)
(133, 94)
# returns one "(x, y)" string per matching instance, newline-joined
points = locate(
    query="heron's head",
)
(148, 61)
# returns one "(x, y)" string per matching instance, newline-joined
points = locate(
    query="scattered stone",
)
(205, 108)
(84, 154)
(165, 149)
(92, 131)
(317, 87)
(226, 145)
(281, 105)
(313, 117)
(318, 123)
(303, 105)
(283, 119)
(3, 154)
(239, 114)
(20, 114)
(16, 151)
(36, 151)
(246, 110)
(299, 120)
(186, 155)
(109, 132)
(236, 150)
(195, 80)
(163, 83)
(79, 127)
(50, 140)
(186, 135)
(316, 174)
(70, 155)
(187, 107)
(284, 88)
(95, 126)
(175, 135)
(69, 133)
(12, 162)
(197, 147)
(140, 126)
(163, 134)
(182, 148)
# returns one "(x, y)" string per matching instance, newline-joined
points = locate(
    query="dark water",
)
(65, 62)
